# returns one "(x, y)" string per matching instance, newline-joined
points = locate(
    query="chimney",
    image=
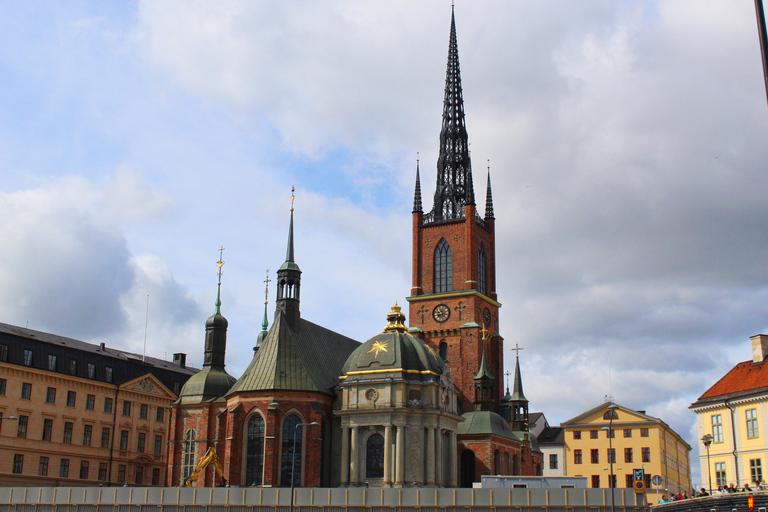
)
(103, 347)
(759, 347)
(180, 359)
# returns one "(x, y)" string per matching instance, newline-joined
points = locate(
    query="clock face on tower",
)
(487, 317)
(441, 313)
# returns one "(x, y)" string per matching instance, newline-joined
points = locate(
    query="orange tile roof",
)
(743, 378)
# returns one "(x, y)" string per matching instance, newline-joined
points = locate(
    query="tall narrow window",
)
(756, 470)
(84, 470)
(52, 362)
(141, 442)
(64, 468)
(18, 464)
(22, 430)
(482, 279)
(103, 471)
(42, 467)
(752, 430)
(3, 352)
(444, 350)
(720, 473)
(68, 427)
(73, 366)
(374, 457)
(158, 445)
(87, 434)
(443, 267)
(188, 455)
(26, 391)
(27, 357)
(104, 437)
(291, 465)
(47, 429)
(254, 462)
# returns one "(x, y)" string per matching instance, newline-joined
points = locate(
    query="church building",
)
(418, 406)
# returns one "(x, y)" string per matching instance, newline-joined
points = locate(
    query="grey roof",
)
(485, 423)
(309, 359)
(552, 435)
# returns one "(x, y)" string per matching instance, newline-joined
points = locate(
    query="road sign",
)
(657, 480)
(638, 475)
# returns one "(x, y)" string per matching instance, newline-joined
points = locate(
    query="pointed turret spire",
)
(489, 196)
(454, 187)
(289, 279)
(484, 383)
(264, 321)
(417, 190)
(518, 419)
(216, 326)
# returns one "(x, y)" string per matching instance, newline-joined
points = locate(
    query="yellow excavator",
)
(209, 457)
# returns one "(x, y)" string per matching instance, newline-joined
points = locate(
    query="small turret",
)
(489, 198)
(518, 418)
(484, 384)
(417, 208)
(289, 281)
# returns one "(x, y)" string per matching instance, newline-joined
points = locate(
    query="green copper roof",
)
(485, 423)
(309, 359)
(470, 324)
(517, 390)
(289, 264)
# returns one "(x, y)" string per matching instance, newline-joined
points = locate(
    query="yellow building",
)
(734, 411)
(639, 441)
(72, 413)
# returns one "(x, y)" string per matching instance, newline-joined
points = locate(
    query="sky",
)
(625, 141)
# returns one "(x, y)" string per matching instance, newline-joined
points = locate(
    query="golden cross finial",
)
(220, 263)
(293, 189)
(266, 291)
(485, 332)
(517, 349)
(507, 374)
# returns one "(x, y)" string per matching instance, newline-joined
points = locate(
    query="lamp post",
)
(707, 440)
(296, 425)
(610, 415)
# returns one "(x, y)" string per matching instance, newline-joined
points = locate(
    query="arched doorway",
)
(467, 468)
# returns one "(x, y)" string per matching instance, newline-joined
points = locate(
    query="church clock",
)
(487, 317)
(441, 313)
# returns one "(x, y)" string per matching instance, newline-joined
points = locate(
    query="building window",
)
(188, 455)
(67, 439)
(155, 476)
(143, 411)
(717, 428)
(64, 468)
(594, 456)
(720, 473)
(22, 430)
(444, 350)
(254, 458)
(87, 434)
(630, 481)
(643, 432)
(595, 481)
(158, 445)
(126, 408)
(627, 432)
(577, 434)
(291, 465)
(141, 442)
(577, 456)
(139, 476)
(50, 396)
(124, 440)
(593, 434)
(90, 402)
(443, 267)
(18, 463)
(107, 404)
(481, 275)
(2, 387)
(374, 457)
(611, 455)
(42, 467)
(176, 388)
(648, 480)
(610, 433)
(26, 391)
(52, 362)
(612, 480)
(552, 461)
(73, 366)
(71, 397)
(103, 471)
(3, 352)
(756, 470)
(160, 414)
(91, 371)
(27, 357)
(104, 437)
(121, 473)
(84, 470)
(108, 374)
(627, 454)
(646, 453)
(752, 431)
(47, 429)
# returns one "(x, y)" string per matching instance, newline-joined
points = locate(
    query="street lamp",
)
(610, 415)
(707, 440)
(296, 425)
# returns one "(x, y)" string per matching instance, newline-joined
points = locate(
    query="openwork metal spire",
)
(489, 197)
(454, 187)
(417, 191)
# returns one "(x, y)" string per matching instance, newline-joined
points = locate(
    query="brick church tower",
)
(453, 304)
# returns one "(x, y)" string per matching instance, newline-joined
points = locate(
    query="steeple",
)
(518, 416)
(216, 327)
(417, 191)
(484, 383)
(264, 322)
(454, 187)
(489, 197)
(289, 280)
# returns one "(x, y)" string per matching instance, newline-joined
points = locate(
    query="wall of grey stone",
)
(255, 499)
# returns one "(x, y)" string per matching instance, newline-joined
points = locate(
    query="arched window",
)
(291, 440)
(482, 280)
(374, 457)
(505, 468)
(443, 350)
(188, 455)
(496, 463)
(515, 465)
(254, 457)
(443, 267)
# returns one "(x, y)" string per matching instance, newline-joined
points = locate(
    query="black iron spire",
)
(289, 280)
(417, 192)
(454, 187)
(489, 198)
(518, 418)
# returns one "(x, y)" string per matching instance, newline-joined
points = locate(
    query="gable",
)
(150, 385)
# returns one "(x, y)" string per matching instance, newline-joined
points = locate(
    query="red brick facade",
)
(513, 458)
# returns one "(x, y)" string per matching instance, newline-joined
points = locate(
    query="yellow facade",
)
(639, 441)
